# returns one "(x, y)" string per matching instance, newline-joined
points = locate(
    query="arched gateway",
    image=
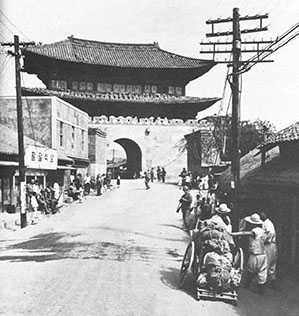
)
(133, 92)
(134, 156)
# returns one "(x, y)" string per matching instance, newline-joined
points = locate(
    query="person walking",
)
(270, 248)
(185, 203)
(146, 180)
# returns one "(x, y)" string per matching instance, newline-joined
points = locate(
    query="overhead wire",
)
(12, 24)
(273, 47)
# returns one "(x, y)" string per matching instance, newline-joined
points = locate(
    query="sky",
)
(269, 90)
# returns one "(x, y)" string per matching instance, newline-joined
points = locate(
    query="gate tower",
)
(119, 80)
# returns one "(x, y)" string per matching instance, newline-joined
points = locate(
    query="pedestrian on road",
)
(99, 184)
(270, 247)
(257, 261)
(159, 174)
(221, 217)
(163, 174)
(146, 180)
(152, 175)
(118, 181)
(185, 205)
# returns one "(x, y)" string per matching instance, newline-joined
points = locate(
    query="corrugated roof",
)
(115, 54)
(288, 134)
(248, 164)
(119, 97)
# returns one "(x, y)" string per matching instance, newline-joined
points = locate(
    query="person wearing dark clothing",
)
(146, 180)
(163, 174)
(183, 175)
(159, 174)
(99, 184)
(185, 205)
(152, 175)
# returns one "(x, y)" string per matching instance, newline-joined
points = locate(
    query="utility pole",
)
(235, 86)
(22, 170)
(236, 50)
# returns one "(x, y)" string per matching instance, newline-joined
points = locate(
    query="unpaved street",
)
(117, 254)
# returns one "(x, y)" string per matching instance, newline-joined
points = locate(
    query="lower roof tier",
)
(130, 104)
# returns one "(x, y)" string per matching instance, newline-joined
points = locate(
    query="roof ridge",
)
(72, 39)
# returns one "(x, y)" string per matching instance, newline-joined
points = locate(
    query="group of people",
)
(104, 183)
(149, 176)
(259, 229)
(80, 187)
(206, 181)
(41, 201)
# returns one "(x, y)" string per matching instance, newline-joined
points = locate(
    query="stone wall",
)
(161, 140)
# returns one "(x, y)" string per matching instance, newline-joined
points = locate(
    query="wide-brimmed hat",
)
(222, 209)
(254, 219)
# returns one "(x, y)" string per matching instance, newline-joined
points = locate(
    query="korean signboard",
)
(40, 158)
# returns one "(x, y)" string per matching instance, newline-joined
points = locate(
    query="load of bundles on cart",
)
(213, 259)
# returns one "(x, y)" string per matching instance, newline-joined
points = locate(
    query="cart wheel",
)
(187, 263)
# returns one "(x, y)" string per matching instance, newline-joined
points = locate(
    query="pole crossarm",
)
(244, 18)
(20, 44)
(257, 29)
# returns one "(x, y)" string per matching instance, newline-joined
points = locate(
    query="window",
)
(101, 87)
(108, 87)
(61, 134)
(115, 88)
(82, 140)
(74, 85)
(82, 86)
(129, 88)
(178, 90)
(73, 137)
(89, 86)
(137, 89)
(171, 90)
(62, 84)
(154, 89)
(147, 89)
(122, 88)
(54, 84)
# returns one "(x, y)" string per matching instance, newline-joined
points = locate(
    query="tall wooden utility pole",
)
(22, 169)
(235, 86)
(236, 50)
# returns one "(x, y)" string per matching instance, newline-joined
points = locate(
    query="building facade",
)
(57, 125)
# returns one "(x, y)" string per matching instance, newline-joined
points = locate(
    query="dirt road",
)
(117, 254)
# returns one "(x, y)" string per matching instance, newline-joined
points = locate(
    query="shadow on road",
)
(171, 278)
(58, 246)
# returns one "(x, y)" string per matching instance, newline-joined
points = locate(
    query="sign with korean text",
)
(40, 158)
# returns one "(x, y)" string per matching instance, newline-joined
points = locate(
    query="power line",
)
(7, 27)
(14, 25)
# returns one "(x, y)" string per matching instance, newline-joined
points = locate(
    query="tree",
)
(252, 134)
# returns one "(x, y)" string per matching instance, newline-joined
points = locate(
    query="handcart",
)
(196, 264)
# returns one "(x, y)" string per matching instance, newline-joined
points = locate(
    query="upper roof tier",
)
(116, 55)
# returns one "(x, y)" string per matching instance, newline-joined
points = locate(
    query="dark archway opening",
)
(133, 152)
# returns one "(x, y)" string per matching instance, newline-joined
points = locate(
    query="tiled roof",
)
(9, 141)
(288, 134)
(115, 54)
(118, 97)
